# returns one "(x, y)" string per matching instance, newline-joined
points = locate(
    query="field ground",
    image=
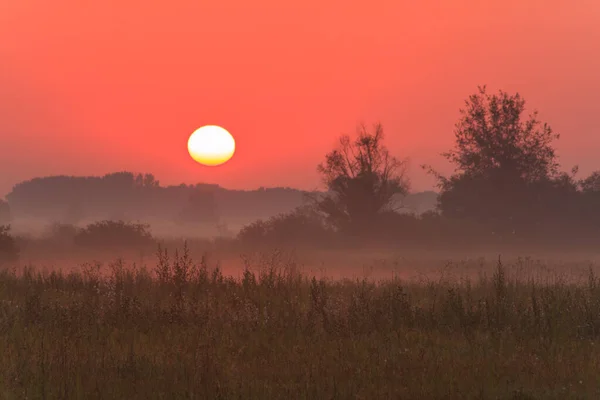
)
(370, 326)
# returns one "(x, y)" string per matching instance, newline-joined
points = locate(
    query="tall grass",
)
(184, 330)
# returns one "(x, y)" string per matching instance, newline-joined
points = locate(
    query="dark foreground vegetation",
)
(183, 330)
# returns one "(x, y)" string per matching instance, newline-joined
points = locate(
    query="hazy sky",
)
(90, 87)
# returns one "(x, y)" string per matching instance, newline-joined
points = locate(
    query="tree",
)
(589, 202)
(591, 184)
(146, 181)
(502, 162)
(118, 182)
(492, 138)
(362, 179)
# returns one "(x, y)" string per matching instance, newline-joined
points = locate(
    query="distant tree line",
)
(129, 196)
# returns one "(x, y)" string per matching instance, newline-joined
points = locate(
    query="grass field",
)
(183, 330)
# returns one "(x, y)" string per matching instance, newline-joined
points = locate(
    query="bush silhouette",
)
(301, 226)
(114, 234)
(9, 251)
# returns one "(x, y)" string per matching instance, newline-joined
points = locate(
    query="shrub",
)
(301, 226)
(9, 251)
(111, 234)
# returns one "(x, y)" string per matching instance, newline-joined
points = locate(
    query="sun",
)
(211, 145)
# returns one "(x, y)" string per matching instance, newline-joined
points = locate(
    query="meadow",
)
(183, 329)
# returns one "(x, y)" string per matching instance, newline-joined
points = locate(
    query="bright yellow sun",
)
(211, 145)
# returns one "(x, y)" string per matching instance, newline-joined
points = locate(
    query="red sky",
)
(95, 87)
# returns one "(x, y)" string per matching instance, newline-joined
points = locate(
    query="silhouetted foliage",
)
(493, 140)
(362, 179)
(585, 213)
(138, 197)
(146, 181)
(114, 234)
(301, 226)
(506, 188)
(505, 165)
(4, 212)
(591, 184)
(9, 250)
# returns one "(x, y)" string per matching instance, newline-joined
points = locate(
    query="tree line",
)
(128, 196)
(507, 186)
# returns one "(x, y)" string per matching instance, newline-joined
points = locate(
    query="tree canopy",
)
(362, 179)
(506, 169)
(493, 139)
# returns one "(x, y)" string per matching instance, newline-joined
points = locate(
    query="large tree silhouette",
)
(362, 179)
(504, 162)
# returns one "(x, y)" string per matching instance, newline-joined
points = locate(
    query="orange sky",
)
(90, 87)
